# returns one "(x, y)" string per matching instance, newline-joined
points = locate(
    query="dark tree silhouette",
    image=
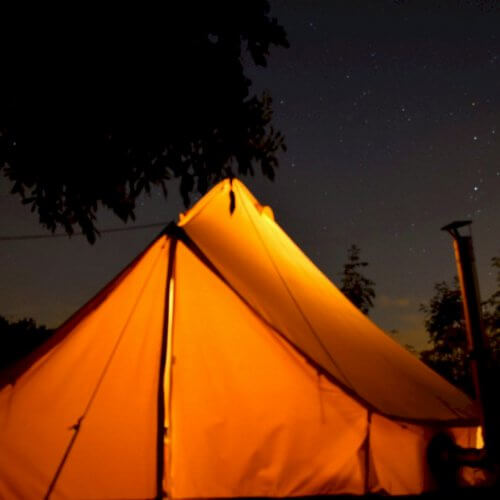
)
(491, 315)
(445, 324)
(356, 287)
(96, 109)
(18, 338)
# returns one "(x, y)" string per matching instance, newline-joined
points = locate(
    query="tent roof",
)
(225, 335)
(275, 278)
(250, 252)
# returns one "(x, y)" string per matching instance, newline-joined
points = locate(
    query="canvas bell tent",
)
(222, 363)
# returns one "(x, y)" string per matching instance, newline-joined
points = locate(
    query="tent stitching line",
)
(299, 309)
(307, 320)
(77, 426)
(11, 374)
(120, 337)
(198, 253)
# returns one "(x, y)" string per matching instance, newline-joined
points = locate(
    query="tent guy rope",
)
(80, 233)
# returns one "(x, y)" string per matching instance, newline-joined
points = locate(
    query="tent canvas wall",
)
(222, 363)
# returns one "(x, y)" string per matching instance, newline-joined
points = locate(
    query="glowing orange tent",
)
(221, 363)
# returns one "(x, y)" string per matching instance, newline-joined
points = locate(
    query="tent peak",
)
(229, 187)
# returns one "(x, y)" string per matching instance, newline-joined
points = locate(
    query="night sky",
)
(391, 113)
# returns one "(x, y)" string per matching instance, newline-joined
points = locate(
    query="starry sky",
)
(391, 112)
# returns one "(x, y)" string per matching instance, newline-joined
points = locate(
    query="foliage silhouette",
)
(445, 324)
(18, 338)
(355, 286)
(96, 112)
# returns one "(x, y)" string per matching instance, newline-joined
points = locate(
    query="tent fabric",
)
(260, 261)
(275, 385)
(390, 441)
(105, 371)
(264, 422)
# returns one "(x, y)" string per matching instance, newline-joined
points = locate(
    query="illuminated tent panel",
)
(255, 255)
(264, 422)
(104, 372)
(273, 383)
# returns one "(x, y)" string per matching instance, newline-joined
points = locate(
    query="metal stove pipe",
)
(479, 353)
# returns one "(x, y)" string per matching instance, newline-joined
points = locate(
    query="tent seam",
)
(76, 427)
(294, 300)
